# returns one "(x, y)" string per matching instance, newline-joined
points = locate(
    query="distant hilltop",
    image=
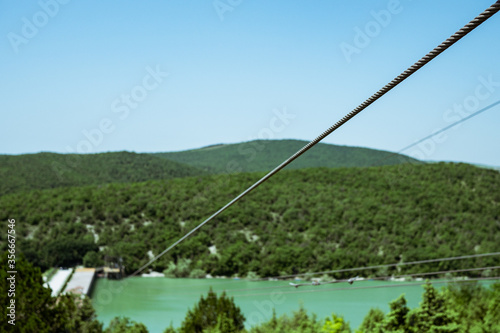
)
(265, 155)
(50, 170)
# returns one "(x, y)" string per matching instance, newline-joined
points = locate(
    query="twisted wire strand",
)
(494, 8)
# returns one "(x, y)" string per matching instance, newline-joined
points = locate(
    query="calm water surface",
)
(157, 302)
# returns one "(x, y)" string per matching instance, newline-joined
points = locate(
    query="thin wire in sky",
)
(449, 126)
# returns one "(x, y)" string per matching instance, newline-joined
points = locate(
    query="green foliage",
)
(372, 322)
(299, 322)
(492, 318)
(170, 329)
(49, 170)
(252, 276)
(395, 320)
(461, 307)
(67, 252)
(301, 220)
(197, 274)
(464, 307)
(223, 325)
(478, 308)
(336, 325)
(34, 306)
(64, 245)
(36, 310)
(125, 325)
(434, 314)
(92, 259)
(213, 314)
(78, 313)
(181, 270)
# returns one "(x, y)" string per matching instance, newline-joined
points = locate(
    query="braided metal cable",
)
(400, 78)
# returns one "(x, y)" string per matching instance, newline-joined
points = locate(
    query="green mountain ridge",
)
(265, 155)
(51, 170)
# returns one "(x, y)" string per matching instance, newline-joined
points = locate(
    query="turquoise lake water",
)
(157, 302)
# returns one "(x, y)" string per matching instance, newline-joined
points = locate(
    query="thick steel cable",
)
(494, 8)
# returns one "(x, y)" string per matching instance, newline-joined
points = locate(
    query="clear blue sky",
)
(243, 70)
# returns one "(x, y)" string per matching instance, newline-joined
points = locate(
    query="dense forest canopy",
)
(49, 170)
(301, 220)
(364, 208)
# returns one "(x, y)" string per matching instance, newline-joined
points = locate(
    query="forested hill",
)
(300, 220)
(265, 155)
(49, 170)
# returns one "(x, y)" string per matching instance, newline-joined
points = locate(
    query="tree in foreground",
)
(33, 307)
(77, 314)
(125, 325)
(36, 310)
(459, 308)
(478, 307)
(395, 321)
(336, 325)
(434, 314)
(301, 322)
(371, 323)
(214, 314)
